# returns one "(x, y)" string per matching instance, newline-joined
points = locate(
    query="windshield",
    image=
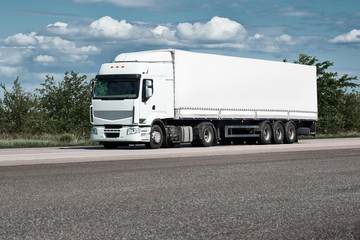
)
(116, 88)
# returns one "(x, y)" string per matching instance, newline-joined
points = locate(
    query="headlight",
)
(94, 131)
(131, 131)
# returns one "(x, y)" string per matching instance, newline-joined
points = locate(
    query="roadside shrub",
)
(66, 138)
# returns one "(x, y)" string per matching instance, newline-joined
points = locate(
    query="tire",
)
(278, 133)
(156, 137)
(207, 137)
(290, 133)
(265, 133)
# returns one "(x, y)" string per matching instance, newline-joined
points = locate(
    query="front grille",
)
(113, 115)
(112, 135)
(112, 131)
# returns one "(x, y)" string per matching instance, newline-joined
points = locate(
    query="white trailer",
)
(165, 97)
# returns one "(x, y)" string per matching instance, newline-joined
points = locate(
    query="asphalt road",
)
(303, 194)
(10, 157)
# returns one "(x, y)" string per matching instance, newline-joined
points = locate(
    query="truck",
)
(165, 97)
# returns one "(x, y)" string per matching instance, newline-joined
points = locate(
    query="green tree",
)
(335, 94)
(16, 109)
(65, 104)
(351, 110)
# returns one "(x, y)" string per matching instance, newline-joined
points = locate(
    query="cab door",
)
(148, 100)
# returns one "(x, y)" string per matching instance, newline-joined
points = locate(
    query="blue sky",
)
(50, 37)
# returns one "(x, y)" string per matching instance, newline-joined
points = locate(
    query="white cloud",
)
(23, 54)
(107, 30)
(22, 39)
(61, 46)
(104, 28)
(162, 31)
(285, 38)
(77, 41)
(110, 28)
(58, 28)
(79, 44)
(216, 30)
(44, 59)
(165, 35)
(257, 36)
(9, 71)
(58, 25)
(350, 37)
(14, 55)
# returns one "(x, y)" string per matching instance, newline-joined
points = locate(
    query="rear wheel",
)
(265, 133)
(156, 137)
(207, 137)
(290, 133)
(278, 133)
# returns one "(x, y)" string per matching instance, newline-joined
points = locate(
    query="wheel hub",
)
(156, 136)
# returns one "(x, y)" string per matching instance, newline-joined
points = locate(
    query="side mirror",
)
(148, 89)
(91, 88)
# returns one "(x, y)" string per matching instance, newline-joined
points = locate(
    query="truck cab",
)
(129, 95)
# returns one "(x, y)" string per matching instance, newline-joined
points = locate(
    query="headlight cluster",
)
(94, 131)
(131, 131)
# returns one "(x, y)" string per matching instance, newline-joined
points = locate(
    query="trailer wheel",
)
(290, 133)
(156, 137)
(278, 133)
(265, 133)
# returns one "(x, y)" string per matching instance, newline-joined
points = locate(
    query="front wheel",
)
(156, 137)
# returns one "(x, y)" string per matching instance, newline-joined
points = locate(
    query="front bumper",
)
(128, 134)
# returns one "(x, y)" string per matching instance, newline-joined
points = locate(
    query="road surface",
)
(90, 154)
(298, 191)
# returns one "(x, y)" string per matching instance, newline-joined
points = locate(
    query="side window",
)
(148, 89)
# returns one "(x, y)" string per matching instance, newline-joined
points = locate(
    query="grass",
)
(46, 140)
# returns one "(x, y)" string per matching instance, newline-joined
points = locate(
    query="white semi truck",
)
(165, 97)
